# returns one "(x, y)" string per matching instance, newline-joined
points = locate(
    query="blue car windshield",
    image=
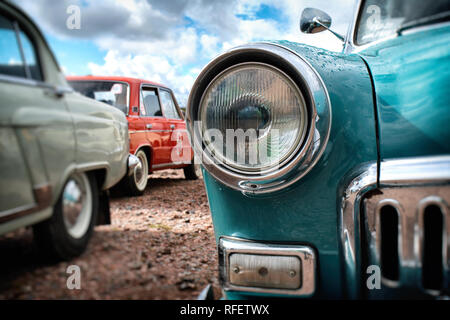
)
(379, 19)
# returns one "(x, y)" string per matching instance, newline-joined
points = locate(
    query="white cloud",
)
(209, 45)
(169, 41)
(145, 66)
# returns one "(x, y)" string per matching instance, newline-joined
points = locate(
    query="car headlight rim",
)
(319, 118)
(297, 144)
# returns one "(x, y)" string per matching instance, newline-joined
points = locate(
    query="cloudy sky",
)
(170, 41)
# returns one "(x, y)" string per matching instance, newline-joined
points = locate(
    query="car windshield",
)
(381, 18)
(110, 92)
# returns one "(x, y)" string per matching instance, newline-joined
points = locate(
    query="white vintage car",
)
(59, 151)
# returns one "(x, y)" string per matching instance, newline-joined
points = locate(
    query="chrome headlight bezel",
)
(299, 138)
(318, 104)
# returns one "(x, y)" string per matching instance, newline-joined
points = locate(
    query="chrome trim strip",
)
(413, 172)
(42, 197)
(33, 83)
(307, 256)
(350, 225)
(163, 165)
(137, 131)
(141, 131)
(19, 80)
(316, 139)
(426, 27)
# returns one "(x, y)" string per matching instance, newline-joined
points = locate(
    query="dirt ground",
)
(159, 246)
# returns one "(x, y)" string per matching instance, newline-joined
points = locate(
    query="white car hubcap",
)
(77, 205)
(141, 171)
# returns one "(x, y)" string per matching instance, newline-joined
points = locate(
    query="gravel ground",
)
(159, 246)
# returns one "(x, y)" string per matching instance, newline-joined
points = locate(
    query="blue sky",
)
(170, 41)
(74, 54)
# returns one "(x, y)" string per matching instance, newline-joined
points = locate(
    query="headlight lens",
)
(260, 114)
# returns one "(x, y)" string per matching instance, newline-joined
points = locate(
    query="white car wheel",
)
(77, 205)
(140, 174)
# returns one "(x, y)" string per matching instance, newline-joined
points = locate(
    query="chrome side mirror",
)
(315, 20)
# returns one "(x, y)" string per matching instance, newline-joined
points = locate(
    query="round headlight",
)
(258, 112)
(259, 118)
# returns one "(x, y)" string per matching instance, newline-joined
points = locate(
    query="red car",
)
(158, 135)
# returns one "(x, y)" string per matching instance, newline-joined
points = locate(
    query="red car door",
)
(181, 151)
(156, 126)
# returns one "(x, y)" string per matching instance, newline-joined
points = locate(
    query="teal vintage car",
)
(59, 151)
(328, 174)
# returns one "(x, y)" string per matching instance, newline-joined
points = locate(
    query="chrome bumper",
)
(266, 268)
(132, 162)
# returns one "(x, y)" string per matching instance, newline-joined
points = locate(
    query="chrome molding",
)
(397, 174)
(164, 165)
(137, 131)
(42, 197)
(142, 131)
(307, 256)
(319, 114)
(34, 83)
(350, 225)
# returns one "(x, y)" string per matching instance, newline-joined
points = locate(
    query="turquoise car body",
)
(389, 100)
(411, 78)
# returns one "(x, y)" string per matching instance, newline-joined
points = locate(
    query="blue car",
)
(328, 174)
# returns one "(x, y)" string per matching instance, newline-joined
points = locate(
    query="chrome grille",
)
(406, 231)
